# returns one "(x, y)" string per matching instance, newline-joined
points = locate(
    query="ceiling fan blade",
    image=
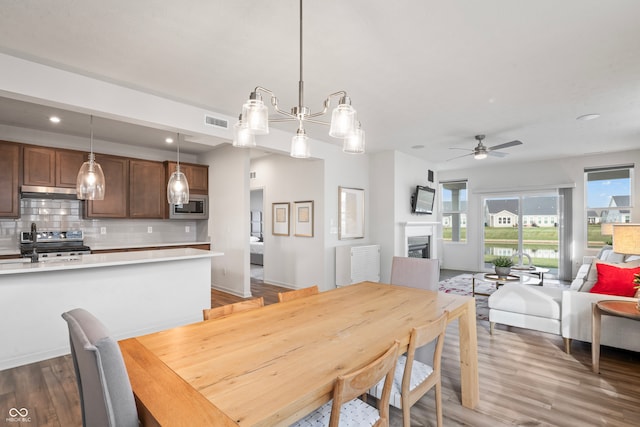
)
(457, 157)
(505, 145)
(496, 153)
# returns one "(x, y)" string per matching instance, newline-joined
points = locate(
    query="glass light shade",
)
(343, 121)
(256, 116)
(626, 238)
(178, 188)
(300, 146)
(481, 155)
(354, 143)
(90, 183)
(242, 137)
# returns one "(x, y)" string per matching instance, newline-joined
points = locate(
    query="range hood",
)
(39, 192)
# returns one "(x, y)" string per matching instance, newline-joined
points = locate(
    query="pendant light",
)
(90, 182)
(242, 137)
(178, 187)
(354, 142)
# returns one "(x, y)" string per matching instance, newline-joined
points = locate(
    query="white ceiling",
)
(432, 73)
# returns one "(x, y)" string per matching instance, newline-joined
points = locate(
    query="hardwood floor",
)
(526, 379)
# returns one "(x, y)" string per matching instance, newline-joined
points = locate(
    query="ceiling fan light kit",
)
(344, 124)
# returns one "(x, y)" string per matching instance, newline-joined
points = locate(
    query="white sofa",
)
(577, 305)
(567, 312)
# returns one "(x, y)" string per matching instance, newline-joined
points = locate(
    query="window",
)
(608, 196)
(454, 210)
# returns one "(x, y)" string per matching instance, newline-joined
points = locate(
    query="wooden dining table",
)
(272, 365)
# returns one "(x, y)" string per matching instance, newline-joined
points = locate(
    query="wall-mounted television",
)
(423, 200)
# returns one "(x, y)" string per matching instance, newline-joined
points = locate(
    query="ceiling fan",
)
(481, 151)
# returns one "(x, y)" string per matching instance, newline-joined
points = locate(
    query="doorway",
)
(529, 224)
(256, 238)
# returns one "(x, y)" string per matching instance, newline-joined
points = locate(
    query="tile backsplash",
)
(54, 214)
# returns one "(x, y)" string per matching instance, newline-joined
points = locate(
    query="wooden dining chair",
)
(423, 273)
(345, 408)
(413, 379)
(298, 293)
(214, 313)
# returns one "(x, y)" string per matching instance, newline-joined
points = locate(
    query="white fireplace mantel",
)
(421, 228)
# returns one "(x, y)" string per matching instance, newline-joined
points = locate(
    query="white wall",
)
(394, 177)
(229, 220)
(522, 177)
(292, 261)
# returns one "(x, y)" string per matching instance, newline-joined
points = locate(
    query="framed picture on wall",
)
(280, 220)
(351, 213)
(303, 212)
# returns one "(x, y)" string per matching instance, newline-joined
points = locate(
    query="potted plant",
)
(502, 265)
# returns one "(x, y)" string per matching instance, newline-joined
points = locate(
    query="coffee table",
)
(538, 271)
(520, 277)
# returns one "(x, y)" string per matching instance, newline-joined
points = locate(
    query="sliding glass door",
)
(516, 224)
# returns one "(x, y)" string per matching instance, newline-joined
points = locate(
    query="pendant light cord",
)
(91, 139)
(301, 82)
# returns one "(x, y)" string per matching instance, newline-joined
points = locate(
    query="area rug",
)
(461, 285)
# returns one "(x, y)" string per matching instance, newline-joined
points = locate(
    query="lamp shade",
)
(90, 183)
(256, 115)
(178, 188)
(354, 143)
(480, 155)
(606, 228)
(242, 136)
(343, 121)
(626, 238)
(300, 145)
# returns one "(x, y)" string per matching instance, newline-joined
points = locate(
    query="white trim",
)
(523, 189)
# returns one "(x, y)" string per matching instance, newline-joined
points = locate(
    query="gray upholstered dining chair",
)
(106, 398)
(412, 378)
(423, 273)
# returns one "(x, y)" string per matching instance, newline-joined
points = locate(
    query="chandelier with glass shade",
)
(254, 119)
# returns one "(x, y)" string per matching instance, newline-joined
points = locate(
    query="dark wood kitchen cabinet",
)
(51, 167)
(147, 189)
(9, 180)
(197, 176)
(116, 192)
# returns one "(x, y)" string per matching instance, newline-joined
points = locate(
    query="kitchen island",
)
(132, 293)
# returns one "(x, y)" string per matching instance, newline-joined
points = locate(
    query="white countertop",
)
(20, 266)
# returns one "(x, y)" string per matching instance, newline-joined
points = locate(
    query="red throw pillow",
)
(614, 280)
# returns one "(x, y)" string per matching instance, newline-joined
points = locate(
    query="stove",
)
(39, 245)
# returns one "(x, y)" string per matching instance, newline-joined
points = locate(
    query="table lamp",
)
(626, 238)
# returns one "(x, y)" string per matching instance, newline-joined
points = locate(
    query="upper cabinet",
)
(116, 192)
(147, 189)
(197, 176)
(51, 167)
(9, 180)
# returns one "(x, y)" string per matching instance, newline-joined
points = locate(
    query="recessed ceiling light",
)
(169, 140)
(54, 119)
(588, 117)
(417, 147)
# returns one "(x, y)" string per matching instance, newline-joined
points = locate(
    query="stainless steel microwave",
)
(197, 208)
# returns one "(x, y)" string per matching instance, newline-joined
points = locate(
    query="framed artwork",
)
(303, 212)
(351, 213)
(280, 219)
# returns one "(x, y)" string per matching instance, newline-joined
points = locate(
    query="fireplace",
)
(419, 246)
(420, 239)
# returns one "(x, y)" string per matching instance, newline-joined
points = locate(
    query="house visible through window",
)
(608, 196)
(454, 210)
